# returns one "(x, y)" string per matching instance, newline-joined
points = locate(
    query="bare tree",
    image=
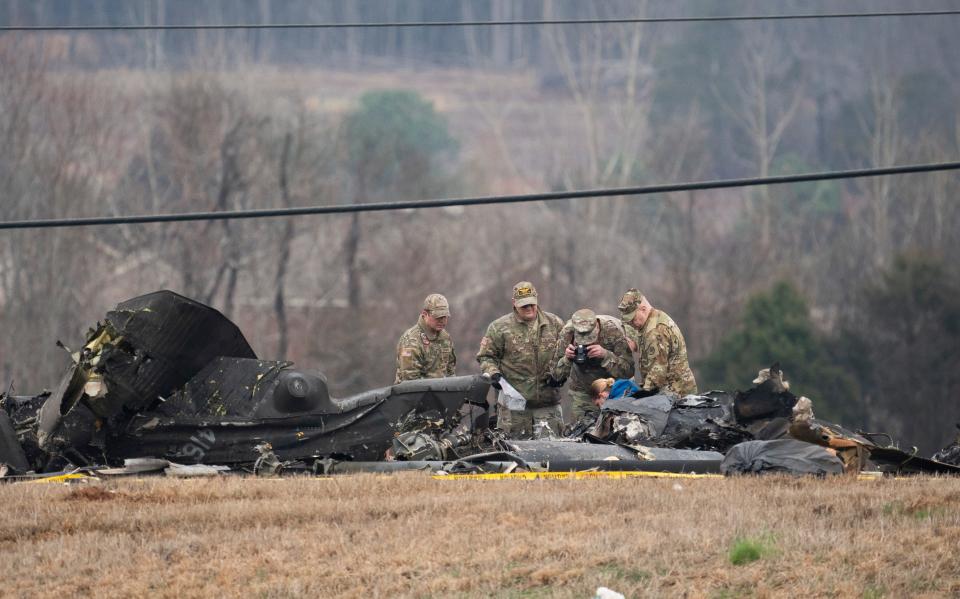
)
(765, 102)
(57, 146)
(881, 128)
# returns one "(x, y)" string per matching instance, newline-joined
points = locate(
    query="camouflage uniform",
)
(423, 354)
(661, 349)
(617, 364)
(663, 356)
(632, 333)
(524, 354)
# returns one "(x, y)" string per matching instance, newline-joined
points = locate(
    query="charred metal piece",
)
(18, 436)
(146, 348)
(766, 408)
(548, 450)
(951, 453)
(566, 455)
(693, 422)
(11, 452)
(896, 461)
(267, 464)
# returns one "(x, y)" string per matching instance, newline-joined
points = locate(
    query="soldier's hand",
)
(570, 352)
(645, 393)
(552, 381)
(633, 345)
(495, 380)
(596, 351)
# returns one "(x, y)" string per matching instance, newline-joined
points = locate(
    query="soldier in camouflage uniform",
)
(520, 347)
(659, 344)
(425, 351)
(608, 356)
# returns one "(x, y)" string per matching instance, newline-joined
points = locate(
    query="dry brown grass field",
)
(412, 536)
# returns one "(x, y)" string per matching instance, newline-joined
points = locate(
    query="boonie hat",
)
(585, 327)
(436, 305)
(629, 303)
(524, 294)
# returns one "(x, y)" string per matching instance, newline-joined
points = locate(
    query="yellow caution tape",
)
(573, 475)
(871, 476)
(60, 478)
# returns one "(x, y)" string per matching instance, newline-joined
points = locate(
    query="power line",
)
(479, 201)
(519, 23)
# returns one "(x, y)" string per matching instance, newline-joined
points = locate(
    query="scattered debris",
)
(136, 466)
(168, 377)
(951, 453)
(194, 470)
(267, 464)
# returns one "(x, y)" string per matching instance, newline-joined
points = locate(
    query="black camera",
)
(580, 355)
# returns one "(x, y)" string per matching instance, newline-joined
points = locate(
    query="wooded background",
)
(852, 285)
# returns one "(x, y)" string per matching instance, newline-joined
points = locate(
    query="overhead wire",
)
(485, 200)
(507, 23)
(479, 201)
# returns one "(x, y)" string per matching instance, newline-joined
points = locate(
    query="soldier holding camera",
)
(593, 347)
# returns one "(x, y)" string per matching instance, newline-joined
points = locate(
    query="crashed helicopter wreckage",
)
(168, 378)
(763, 429)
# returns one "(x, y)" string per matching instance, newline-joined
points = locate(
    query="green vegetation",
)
(746, 550)
(626, 573)
(897, 345)
(874, 592)
(396, 142)
(904, 333)
(917, 512)
(735, 592)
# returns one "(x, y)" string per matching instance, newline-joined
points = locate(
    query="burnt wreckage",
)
(167, 377)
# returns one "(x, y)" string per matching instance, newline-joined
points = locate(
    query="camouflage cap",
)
(629, 303)
(585, 327)
(436, 305)
(524, 294)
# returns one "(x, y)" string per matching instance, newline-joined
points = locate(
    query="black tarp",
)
(780, 455)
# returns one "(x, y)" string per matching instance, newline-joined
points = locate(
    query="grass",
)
(411, 536)
(873, 592)
(917, 508)
(745, 551)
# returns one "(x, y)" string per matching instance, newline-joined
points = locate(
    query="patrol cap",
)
(585, 327)
(436, 305)
(629, 303)
(524, 294)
